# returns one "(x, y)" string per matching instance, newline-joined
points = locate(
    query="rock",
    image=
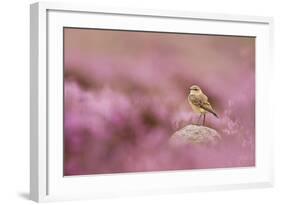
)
(194, 134)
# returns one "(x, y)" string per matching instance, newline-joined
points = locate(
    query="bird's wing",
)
(204, 96)
(198, 100)
(202, 102)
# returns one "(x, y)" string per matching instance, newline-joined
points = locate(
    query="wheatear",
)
(199, 102)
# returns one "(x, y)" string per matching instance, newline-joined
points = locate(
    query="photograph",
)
(147, 101)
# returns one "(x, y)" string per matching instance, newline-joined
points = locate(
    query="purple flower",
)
(126, 94)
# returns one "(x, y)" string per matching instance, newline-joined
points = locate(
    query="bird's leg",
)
(198, 121)
(204, 116)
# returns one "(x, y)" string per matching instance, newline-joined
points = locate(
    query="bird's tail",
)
(215, 114)
(212, 111)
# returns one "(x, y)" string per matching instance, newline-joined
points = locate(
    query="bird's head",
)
(195, 89)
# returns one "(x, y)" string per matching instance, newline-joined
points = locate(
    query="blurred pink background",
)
(125, 94)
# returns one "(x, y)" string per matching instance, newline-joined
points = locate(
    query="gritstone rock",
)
(194, 134)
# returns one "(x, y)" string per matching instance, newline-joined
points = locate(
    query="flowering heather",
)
(126, 94)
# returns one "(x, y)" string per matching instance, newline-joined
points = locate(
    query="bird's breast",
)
(196, 108)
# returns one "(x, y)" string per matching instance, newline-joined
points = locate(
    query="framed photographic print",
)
(127, 102)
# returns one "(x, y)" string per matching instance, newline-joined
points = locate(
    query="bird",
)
(199, 102)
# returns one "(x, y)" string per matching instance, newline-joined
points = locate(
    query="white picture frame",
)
(47, 182)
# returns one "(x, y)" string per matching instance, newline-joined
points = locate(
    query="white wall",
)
(14, 103)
